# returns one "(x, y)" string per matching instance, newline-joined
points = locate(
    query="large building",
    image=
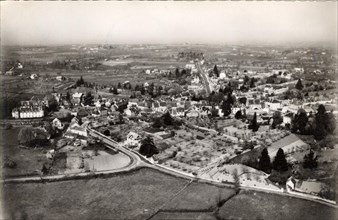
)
(29, 109)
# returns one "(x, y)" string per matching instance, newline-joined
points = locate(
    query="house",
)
(308, 186)
(163, 107)
(274, 105)
(77, 98)
(287, 118)
(33, 76)
(192, 113)
(75, 129)
(132, 139)
(60, 78)
(56, 123)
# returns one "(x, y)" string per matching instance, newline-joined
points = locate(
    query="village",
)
(211, 121)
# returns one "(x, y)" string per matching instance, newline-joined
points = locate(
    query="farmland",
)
(140, 194)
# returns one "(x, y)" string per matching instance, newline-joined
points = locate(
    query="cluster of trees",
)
(310, 160)
(78, 64)
(166, 120)
(82, 82)
(190, 55)
(279, 163)
(248, 83)
(6, 106)
(148, 147)
(320, 125)
(277, 119)
(275, 80)
(31, 137)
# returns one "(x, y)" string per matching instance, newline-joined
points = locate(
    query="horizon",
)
(168, 23)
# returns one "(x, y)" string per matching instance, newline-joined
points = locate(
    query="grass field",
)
(258, 205)
(121, 197)
(27, 160)
(185, 216)
(140, 194)
(196, 197)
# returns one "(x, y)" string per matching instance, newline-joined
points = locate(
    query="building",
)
(60, 78)
(32, 108)
(308, 187)
(77, 98)
(133, 139)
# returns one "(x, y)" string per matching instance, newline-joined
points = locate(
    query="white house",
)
(56, 123)
(133, 139)
(33, 76)
(274, 105)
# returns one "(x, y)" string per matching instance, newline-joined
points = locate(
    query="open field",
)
(185, 216)
(121, 197)
(196, 197)
(27, 160)
(258, 205)
(139, 195)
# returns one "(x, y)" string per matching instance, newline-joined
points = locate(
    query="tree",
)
(279, 163)
(106, 132)
(114, 91)
(310, 161)
(177, 73)
(236, 180)
(299, 122)
(52, 103)
(264, 161)
(157, 123)
(26, 135)
(325, 123)
(214, 112)
(30, 136)
(148, 147)
(242, 100)
(216, 72)
(238, 114)
(252, 83)
(226, 108)
(253, 125)
(299, 85)
(277, 119)
(88, 99)
(68, 96)
(167, 119)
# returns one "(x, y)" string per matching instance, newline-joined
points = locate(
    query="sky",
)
(129, 22)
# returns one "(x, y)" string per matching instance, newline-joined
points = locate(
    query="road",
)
(204, 77)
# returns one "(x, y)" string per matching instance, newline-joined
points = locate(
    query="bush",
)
(8, 163)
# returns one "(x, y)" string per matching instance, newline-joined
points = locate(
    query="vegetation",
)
(148, 147)
(279, 163)
(264, 161)
(277, 119)
(253, 125)
(32, 137)
(299, 85)
(310, 160)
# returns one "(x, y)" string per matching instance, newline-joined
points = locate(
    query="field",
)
(258, 205)
(27, 160)
(140, 195)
